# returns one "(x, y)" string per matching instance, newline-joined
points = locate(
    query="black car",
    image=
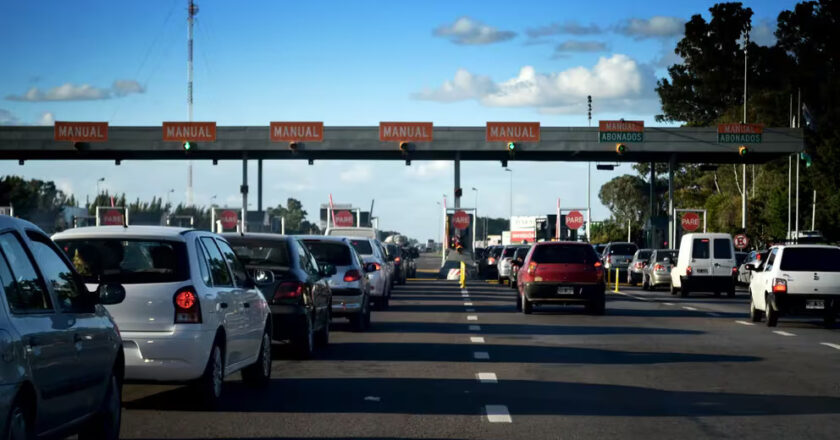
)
(516, 263)
(395, 254)
(487, 265)
(299, 297)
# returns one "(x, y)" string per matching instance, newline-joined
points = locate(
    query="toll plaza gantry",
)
(610, 142)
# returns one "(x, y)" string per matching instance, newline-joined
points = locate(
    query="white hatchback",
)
(191, 312)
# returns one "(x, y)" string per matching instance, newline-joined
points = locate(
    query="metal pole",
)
(192, 9)
(814, 211)
(652, 203)
(588, 180)
(282, 225)
(796, 216)
(457, 181)
(790, 167)
(672, 162)
(244, 191)
(744, 166)
(628, 230)
(510, 203)
(259, 185)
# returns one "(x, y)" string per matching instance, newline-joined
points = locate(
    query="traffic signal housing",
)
(404, 147)
(188, 146)
(511, 148)
(620, 149)
(743, 151)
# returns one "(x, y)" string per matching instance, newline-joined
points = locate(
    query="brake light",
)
(532, 268)
(377, 266)
(187, 309)
(352, 275)
(658, 267)
(491, 260)
(758, 257)
(597, 264)
(734, 269)
(397, 259)
(779, 286)
(688, 271)
(289, 289)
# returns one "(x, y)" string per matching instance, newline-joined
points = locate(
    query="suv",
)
(618, 255)
(299, 296)
(349, 285)
(379, 277)
(62, 357)
(797, 279)
(706, 262)
(561, 272)
(191, 313)
(635, 271)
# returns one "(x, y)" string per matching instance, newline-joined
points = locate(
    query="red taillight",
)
(597, 264)
(658, 267)
(187, 309)
(532, 268)
(734, 269)
(289, 289)
(779, 286)
(352, 275)
(758, 257)
(491, 260)
(688, 271)
(397, 259)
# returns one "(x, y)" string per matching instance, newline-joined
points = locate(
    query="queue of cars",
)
(85, 311)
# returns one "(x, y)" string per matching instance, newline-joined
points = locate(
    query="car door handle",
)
(246, 305)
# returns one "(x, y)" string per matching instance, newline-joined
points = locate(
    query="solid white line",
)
(472, 318)
(783, 333)
(668, 304)
(470, 310)
(690, 308)
(829, 344)
(744, 323)
(475, 328)
(497, 414)
(487, 377)
(468, 304)
(476, 339)
(481, 355)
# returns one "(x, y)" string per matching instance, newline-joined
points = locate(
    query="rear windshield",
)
(644, 255)
(661, 256)
(394, 251)
(495, 252)
(362, 247)
(508, 252)
(723, 248)
(623, 249)
(261, 252)
(521, 253)
(337, 254)
(700, 248)
(128, 261)
(563, 254)
(811, 260)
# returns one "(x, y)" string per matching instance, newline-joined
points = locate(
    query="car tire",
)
(259, 373)
(597, 306)
(527, 306)
(771, 317)
(645, 284)
(322, 337)
(730, 292)
(755, 314)
(19, 426)
(304, 342)
(210, 384)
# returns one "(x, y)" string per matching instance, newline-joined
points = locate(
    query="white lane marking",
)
(476, 339)
(475, 328)
(829, 344)
(481, 355)
(713, 314)
(464, 291)
(468, 304)
(744, 323)
(690, 308)
(372, 398)
(783, 333)
(668, 304)
(470, 310)
(632, 296)
(487, 377)
(497, 414)
(472, 318)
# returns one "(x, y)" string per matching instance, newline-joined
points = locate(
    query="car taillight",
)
(491, 260)
(734, 270)
(640, 265)
(758, 257)
(397, 259)
(688, 271)
(377, 266)
(779, 286)
(187, 309)
(658, 267)
(532, 268)
(597, 265)
(289, 289)
(352, 275)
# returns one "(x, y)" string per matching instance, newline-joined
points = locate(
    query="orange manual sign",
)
(189, 131)
(297, 131)
(513, 132)
(406, 131)
(81, 131)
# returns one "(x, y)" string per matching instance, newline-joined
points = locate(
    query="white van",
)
(706, 263)
(352, 232)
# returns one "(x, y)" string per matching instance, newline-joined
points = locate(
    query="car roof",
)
(332, 238)
(14, 222)
(167, 232)
(257, 235)
(709, 234)
(802, 246)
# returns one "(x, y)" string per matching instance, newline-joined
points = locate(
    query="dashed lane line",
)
(668, 304)
(497, 414)
(467, 304)
(744, 323)
(487, 377)
(829, 344)
(472, 318)
(477, 339)
(481, 355)
(783, 333)
(692, 309)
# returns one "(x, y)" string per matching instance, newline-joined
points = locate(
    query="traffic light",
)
(187, 145)
(458, 192)
(293, 146)
(404, 147)
(743, 151)
(620, 148)
(511, 148)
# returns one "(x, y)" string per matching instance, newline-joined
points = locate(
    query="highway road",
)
(452, 364)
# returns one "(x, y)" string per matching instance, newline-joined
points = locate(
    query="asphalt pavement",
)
(447, 363)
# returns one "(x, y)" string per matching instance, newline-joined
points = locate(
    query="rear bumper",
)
(796, 304)
(287, 320)
(347, 302)
(539, 292)
(176, 356)
(660, 278)
(707, 283)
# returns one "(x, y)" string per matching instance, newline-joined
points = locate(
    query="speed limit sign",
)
(741, 241)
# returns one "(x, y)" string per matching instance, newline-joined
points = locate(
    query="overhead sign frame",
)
(621, 131)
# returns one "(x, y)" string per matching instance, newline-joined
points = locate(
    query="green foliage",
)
(295, 216)
(35, 200)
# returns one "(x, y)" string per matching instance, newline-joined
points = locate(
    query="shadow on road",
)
(523, 329)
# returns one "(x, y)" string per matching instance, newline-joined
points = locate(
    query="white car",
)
(706, 263)
(191, 312)
(379, 279)
(797, 280)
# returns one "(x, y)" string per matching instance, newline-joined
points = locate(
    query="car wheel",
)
(771, 316)
(322, 337)
(19, 426)
(755, 314)
(527, 306)
(210, 383)
(597, 306)
(730, 292)
(645, 285)
(304, 342)
(259, 373)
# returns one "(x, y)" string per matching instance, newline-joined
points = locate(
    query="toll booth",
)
(656, 233)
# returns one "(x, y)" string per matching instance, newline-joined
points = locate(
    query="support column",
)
(652, 205)
(244, 190)
(672, 163)
(259, 185)
(457, 180)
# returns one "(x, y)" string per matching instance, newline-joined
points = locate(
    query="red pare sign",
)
(461, 220)
(343, 219)
(574, 220)
(229, 218)
(113, 217)
(690, 221)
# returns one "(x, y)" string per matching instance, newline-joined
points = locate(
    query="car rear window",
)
(508, 252)
(363, 247)
(644, 255)
(811, 260)
(671, 256)
(261, 252)
(337, 254)
(495, 252)
(623, 249)
(700, 248)
(521, 252)
(563, 254)
(121, 261)
(723, 248)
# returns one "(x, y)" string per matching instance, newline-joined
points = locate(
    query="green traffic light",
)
(511, 146)
(187, 146)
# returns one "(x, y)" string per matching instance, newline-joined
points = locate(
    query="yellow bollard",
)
(463, 275)
(616, 280)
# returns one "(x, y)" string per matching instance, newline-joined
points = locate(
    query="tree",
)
(295, 216)
(35, 200)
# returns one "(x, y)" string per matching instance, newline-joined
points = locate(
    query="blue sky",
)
(345, 63)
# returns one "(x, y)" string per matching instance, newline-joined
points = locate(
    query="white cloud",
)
(47, 118)
(569, 27)
(427, 170)
(8, 118)
(762, 33)
(358, 173)
(465, 30)
(616, 82)
(654, 27)
(82, 92)
(580, 46)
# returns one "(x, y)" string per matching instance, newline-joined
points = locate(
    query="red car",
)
(561, 272)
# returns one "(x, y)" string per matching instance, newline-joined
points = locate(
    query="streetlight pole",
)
(510, 216)
(476, 207)
(744, 166)
(98, 181)
(167, 196)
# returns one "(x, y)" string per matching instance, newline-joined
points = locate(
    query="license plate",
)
(565, 290)
(702, 271)
(814, 304)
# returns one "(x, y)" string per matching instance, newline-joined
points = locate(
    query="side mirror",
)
(749, 266)
(110, 294)
(371, 267)
(263, 277)
(328, 270)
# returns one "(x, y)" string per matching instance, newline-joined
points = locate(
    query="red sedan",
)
(564, 273)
